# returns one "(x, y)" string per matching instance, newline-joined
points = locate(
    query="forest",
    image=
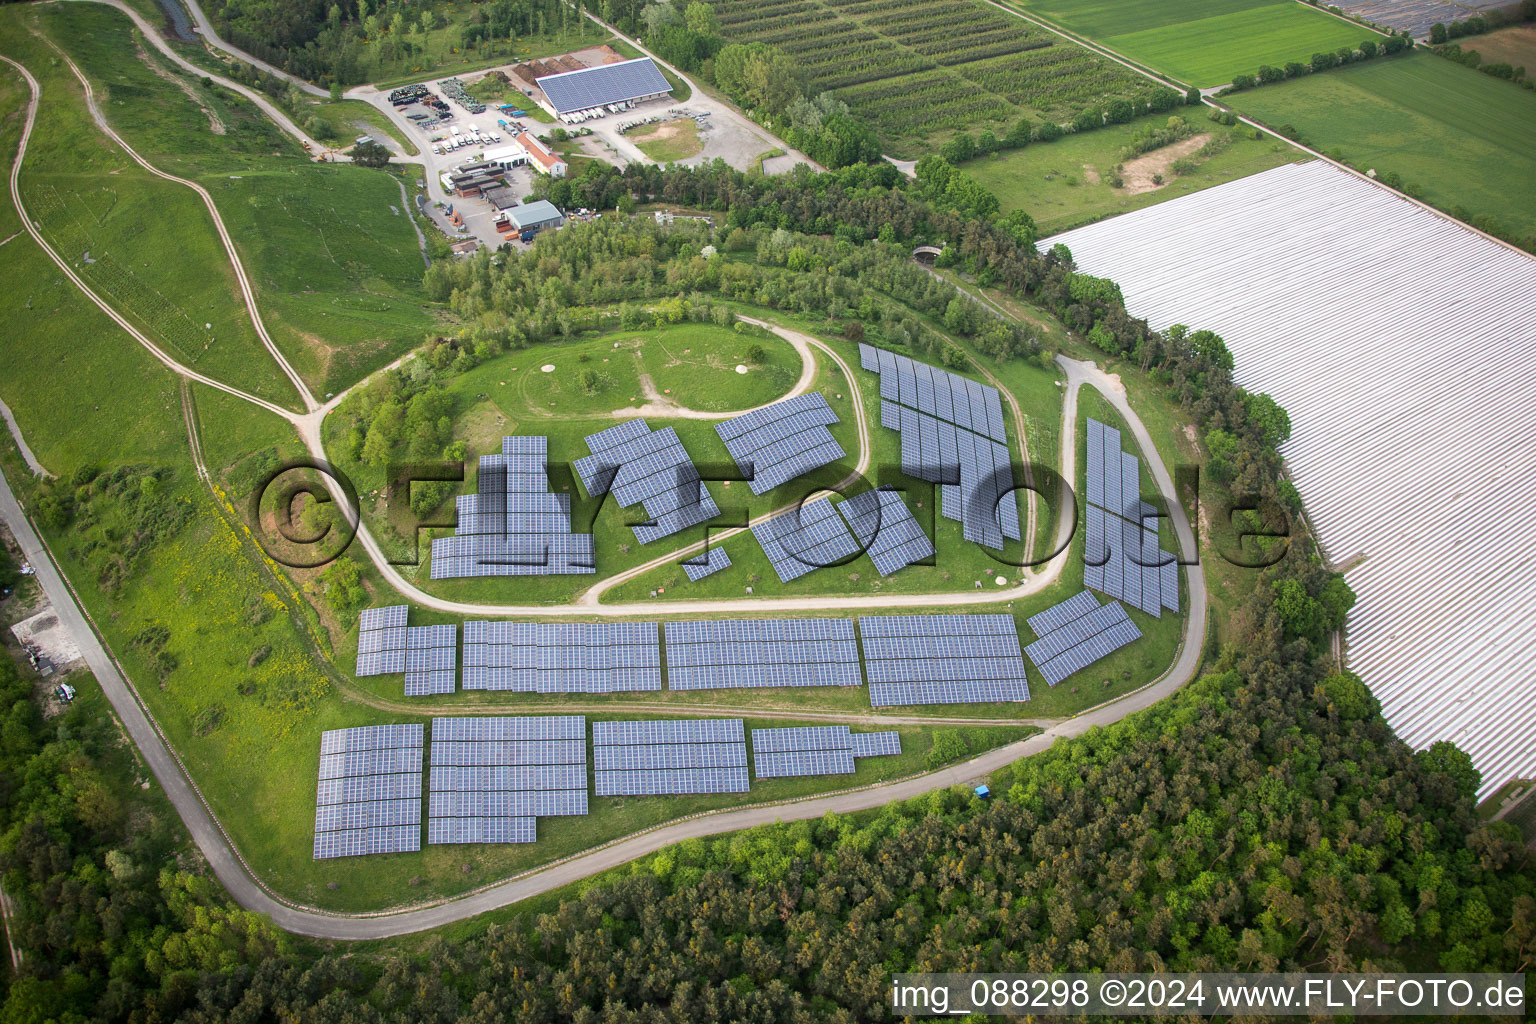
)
(1265, 817)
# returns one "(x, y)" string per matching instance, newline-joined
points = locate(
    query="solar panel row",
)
(785, 764)
(508, 752)
(880, 647)
(507, 777)
(804, 538)
(357, 842)
(365, 788)
(500, 728)
(370, 762)
(441, 831)
(651, 756)
(699, 730)
(563, 634)
(755, 630)
(711, 560)
(671, 782)
(1058, 615)
(739, 677)
(810, 737)
(922, 659)
(389, 617)
(507, 803)
(1075, 632)
(371, 737)
(548, 659)
(779, 442)
(939, 393)
(876, 744)
(885, 527)
(937, 625)
(1090, 651)
(755, 653)
(1122, 558)
(368, 814)
(529, 680)
(391, 638)
(638, 466)
(975, 474)
(758, 653)
(981, 691)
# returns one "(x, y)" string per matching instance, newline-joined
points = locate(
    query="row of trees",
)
(1487, 21)
(1368, 49)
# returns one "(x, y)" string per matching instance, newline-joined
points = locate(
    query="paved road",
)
(27, 455)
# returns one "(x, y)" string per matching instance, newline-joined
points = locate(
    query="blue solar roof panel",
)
(572, 91)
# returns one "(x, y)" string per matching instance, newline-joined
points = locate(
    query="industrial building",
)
(535, 216)
(630, 81)
(526, 149)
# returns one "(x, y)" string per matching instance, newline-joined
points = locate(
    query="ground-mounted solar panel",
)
(368, 814)
(370, 762)
(441, 831)
(876, 744)
(371, 737)
(938, 625)
(736, 677)
(650, 469)
(761, 652)
(979, 691)
(1076, 632)
(1091, 650)
(508, 752)
(885, 527)
(776, 443)
(1058, 615)
(391, 638)
(649, 756)
(625, 432)
(430, 682)
(391, 616)
(381, 663)
(756, 630)
(671, 782)
(503, 728)
(692, 730)
(507, 803)
(807, 737)
(364, 788)
(805, 538)
(362, 841)
(793, 763)
(905, 647)
(492, 778)
(706, 563)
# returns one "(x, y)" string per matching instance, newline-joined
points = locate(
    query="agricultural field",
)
(1067, 183)
(1205, 43)
(915, 70)
(1513, 45)
(1461, 140)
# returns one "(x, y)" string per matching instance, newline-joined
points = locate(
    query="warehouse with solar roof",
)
(606, 85)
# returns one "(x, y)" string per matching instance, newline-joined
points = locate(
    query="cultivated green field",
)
(1064, 184)
(1204, 43)
(1460, 139)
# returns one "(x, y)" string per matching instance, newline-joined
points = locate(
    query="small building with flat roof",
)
(502, 197)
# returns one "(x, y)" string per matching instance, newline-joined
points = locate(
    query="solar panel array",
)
(884, 526)
(638, 465)
(816, 750)
(1122, 558)
(781, 441)
(369, 795)
(669, 757)
(431, 660)
(950, 426)
(804, 538)
(710, 560)
(513, 525)
(381, 640)
(491, 778)
(943, 659)
(750, 653)
(562, 657)
(1076, 633)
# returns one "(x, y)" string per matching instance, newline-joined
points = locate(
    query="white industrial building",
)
(1403, 345)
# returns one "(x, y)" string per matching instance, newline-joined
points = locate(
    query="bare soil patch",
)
(1138, 173)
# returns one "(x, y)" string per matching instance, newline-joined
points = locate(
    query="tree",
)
(1437, 34)
(700, 19)
(1267, 416)
(1019, 135)
(1368, 49)
(1269, 74)
(370, 154)
(1446, 759)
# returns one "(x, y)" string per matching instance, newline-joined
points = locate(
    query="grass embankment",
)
(329, 249)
